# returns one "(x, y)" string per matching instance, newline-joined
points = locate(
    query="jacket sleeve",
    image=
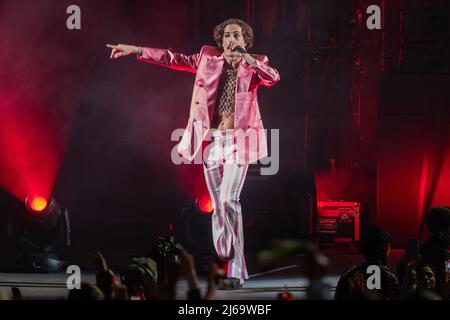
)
(268, 76)
(170, 59)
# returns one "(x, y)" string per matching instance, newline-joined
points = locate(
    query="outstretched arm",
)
(162, 57)
(170, 59)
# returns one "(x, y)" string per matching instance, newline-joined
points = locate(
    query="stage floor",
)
(261, 286)
(53, 287)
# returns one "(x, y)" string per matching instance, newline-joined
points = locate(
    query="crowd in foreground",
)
(422, 273)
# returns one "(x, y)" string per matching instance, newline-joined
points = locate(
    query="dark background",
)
(345, 96)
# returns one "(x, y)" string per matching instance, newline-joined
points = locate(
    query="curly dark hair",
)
(375, 242)
(247, 32)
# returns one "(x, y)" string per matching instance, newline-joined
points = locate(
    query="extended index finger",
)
(111, 46)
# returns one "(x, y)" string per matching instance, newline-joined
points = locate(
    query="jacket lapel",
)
(215, 67)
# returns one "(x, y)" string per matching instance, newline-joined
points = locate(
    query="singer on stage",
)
(224, 105)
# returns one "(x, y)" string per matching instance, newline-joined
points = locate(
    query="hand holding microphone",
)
(234, 47)
(239, 49)
(239, 52)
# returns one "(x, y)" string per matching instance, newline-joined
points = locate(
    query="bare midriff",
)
(223, 122)
(223, 117)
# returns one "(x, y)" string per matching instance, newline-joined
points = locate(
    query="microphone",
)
(239, 49)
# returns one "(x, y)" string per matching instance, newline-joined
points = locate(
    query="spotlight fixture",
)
(193, 229)
(204, 204)
(36, 204)
(42, 233)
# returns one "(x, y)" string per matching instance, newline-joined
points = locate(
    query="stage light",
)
(36, 204)
(42, 233)
(194, 231)
(204, 204)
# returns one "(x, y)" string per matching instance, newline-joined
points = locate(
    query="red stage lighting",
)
(204, 204)
(36, 204)
(42, 234)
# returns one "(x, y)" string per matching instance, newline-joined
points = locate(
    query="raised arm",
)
(162, 57)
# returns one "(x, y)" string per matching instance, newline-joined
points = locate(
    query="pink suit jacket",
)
(208, 65)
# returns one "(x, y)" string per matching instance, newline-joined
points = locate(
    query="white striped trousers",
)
(225, 181)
